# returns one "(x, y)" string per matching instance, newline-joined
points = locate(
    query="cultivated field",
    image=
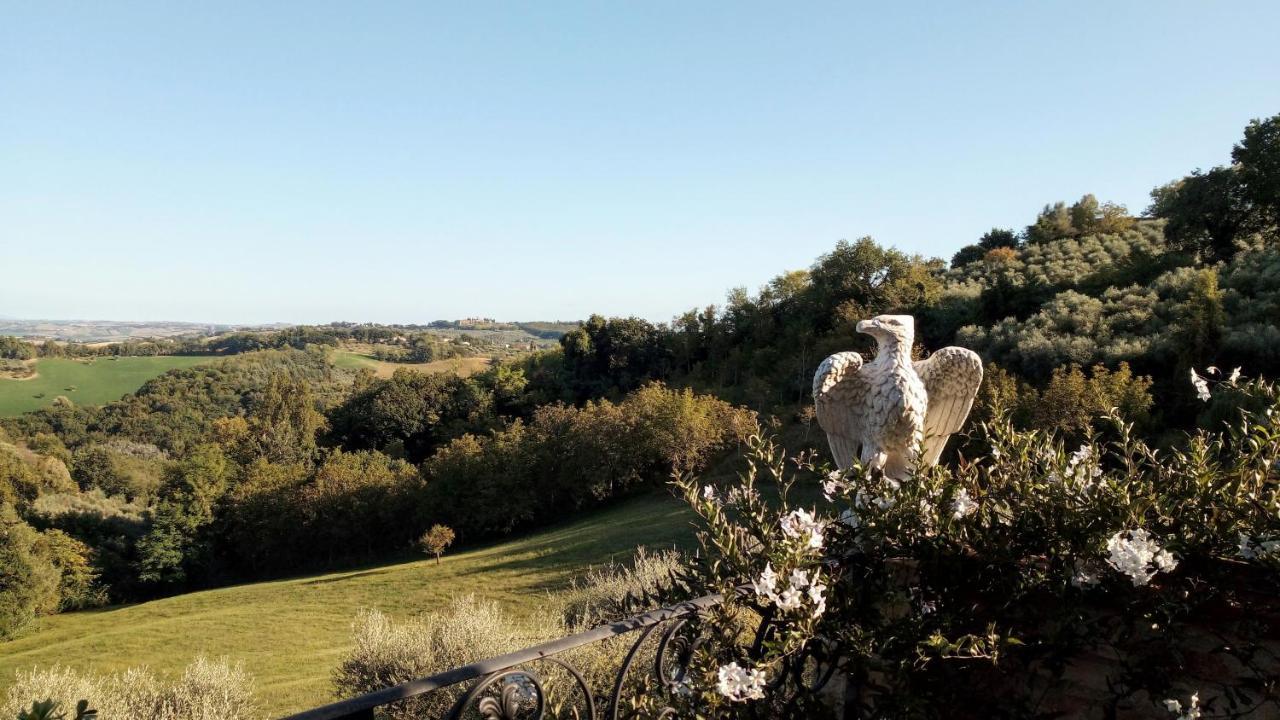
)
(291, 633)
(464, 367)
(85, 382)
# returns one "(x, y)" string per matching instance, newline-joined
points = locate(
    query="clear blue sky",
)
(310, 161)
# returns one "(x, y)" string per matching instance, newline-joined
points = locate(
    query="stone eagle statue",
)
(893, 413)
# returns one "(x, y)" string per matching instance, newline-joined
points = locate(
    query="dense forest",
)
(273, 460)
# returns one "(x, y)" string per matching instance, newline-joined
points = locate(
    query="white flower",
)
(1192, 712)
(817, 596)
(798, 579)
(1082, 470)
(801, 525)
(801, 587)
(834, 485)
(995, 452)
(1165, 561)
(1201, 385)
(883, 502)
(1082, 454)
(1235, 376)
(709, 493)
(767, 585)
(1133, 552)
(739, 684)
(962, 505)
(790, 599)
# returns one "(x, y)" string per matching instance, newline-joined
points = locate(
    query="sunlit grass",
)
(291, 633)
(85, 382)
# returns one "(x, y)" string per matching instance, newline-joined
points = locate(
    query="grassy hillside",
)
(291, 633)
(85, 382)
(464, 367)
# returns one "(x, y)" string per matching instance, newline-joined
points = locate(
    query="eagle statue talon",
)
(892, 413)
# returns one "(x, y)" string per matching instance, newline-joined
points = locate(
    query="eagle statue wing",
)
(951, 378)
(838, 394)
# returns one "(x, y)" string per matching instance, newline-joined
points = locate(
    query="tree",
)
(993, 239)
(284, 420)
(615, 355)
(28, 578)
(1204, 212)
(1084, 217)
(1258, 159)
(1200, 322)
(190, 492)
(1073, 401)
(11, 348)
(1053, 223)
(436, 540)
(413, 410)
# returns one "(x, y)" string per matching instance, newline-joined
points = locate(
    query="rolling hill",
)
(291, 633)
(85, 382)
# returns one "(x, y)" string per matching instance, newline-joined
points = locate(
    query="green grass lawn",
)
(464, 366)
(291, 633)
(85, 382)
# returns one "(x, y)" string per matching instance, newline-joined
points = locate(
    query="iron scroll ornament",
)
(514, 686)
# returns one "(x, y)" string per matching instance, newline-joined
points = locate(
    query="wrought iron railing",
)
(511, 686)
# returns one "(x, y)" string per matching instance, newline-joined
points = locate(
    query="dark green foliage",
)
(1258, 158)
(414, 411)
(284, 420)
(353, 505)
(991, 240)
(176, 544)
(1213, 213)
(111, 526)
(1205, 212)
(566, 458)
(617, 355)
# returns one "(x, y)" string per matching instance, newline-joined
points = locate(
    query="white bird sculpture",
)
(892, 413)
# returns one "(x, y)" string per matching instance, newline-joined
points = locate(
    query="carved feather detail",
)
(892, 413)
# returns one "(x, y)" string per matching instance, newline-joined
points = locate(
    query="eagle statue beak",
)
(864, 325)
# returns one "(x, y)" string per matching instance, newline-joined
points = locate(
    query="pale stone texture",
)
(892, 413)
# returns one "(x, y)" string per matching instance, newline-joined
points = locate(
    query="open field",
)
(291, 633)
(85, 382)
(464, 367)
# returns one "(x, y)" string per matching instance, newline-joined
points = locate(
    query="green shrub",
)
(29, 580)
(607, 593)
(989, 585)
(567, 458)
(207, 690)
(387, 653)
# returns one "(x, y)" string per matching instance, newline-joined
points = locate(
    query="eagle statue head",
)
(890, 330)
